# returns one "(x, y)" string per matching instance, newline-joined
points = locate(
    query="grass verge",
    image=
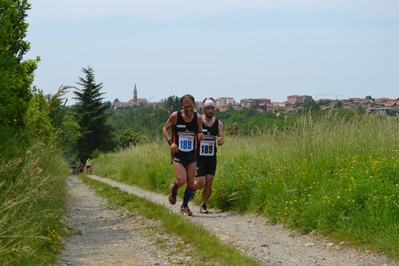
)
(32, 201)
(208, 250)
(333, 176)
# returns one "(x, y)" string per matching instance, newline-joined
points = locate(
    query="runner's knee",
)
(200, 183)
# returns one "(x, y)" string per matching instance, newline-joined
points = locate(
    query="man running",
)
(186, 128)
(206, 161)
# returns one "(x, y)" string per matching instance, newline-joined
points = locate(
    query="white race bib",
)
(207, 148)
(186, 143)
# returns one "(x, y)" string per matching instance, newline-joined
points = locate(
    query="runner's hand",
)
(174, 148)
(200, 136)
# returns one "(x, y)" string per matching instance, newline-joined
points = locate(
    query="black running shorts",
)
(184, 158)
(206, 167)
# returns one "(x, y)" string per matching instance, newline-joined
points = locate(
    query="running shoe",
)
(203, 209)
(185, 210)
(172, 195)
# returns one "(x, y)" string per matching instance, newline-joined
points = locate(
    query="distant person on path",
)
(88, 166)
(206, 161)
(186, 128)
(74, 167)
(81, 167)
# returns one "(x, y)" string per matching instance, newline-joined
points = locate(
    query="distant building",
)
(260, 102)
(132, 102)
(264, 104)
(224, 101)
(116, 105)
(298, 98)
(245, 103)
(135, 100)
(387, 102)
(276, 107)
(199, 105)
(221, 104)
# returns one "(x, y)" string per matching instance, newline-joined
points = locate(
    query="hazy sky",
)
(227, 48)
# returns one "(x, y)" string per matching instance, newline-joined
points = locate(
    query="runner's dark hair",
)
(187, 96)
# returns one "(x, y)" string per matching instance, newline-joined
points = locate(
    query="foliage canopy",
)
(16, 75)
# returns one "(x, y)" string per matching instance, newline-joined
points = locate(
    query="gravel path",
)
(114, 237)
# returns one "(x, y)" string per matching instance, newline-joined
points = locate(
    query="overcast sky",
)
(229, 48)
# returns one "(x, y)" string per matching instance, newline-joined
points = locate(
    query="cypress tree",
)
(90, 114)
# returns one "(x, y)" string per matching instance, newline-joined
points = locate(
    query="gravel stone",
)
(106, 235)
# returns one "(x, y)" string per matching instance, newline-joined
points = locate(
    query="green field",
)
(333, 176)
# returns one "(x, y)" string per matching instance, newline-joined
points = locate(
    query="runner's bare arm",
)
(219, 137)
(199, 132)
(168, 125)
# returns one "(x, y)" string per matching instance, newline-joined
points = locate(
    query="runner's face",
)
(209, 111)
(188, 107)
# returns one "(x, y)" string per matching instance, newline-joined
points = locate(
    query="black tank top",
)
(207, 147)
(184, 134)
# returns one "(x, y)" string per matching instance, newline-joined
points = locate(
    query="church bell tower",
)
(135, 94)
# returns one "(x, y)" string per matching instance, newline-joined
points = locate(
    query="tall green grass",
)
(335, 176)
(32, 204)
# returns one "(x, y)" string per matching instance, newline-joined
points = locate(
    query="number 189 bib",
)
(207, 148)
(186, 143)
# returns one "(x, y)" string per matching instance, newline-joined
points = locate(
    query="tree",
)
(37, 120)
(16, 75)
(57, 105)
(65, 126)
(130, 138)
(69, 134)
(91, 116)
(172, 103)
(338, 104)
(310, 106)
(369, 99)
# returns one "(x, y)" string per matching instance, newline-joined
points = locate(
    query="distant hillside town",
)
(293, 103)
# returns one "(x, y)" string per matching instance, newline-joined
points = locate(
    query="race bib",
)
(186, 143)
(207, 148)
